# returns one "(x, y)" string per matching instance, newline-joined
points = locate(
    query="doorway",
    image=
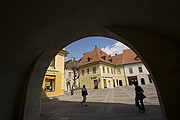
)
(95, 84)
(105, 84)
(120, 83)
(142, 81)
(130, 79)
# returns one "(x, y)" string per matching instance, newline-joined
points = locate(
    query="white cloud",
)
(116, 48)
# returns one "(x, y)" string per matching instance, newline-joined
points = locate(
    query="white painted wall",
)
(66, 76)
(144, 74)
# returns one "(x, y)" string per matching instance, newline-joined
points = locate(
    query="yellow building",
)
(99, 70)
(120, 78)
(53, 81)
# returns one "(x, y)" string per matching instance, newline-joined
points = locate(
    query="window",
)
(136, 58)
(108, 70)
(82, 72)
(103, 57)
(114, 71)
(110, 60)
(89, 59)
(130, 70)
(50, 84)
(140, 69)
(69, 74)
(111, 71)
(103, 69)
(52, 64)
(118, 71)
(87, 70)
(94, 69)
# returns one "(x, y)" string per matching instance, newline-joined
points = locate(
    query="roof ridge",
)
(123, 57)
(97, 53)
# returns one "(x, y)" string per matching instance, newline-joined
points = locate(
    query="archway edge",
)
(159, 54)
(31, 111)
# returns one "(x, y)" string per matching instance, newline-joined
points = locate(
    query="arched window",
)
(142, 81)
(120, 83)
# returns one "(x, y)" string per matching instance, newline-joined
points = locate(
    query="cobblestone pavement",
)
(103, 104)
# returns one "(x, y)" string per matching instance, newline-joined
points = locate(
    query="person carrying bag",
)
(139, 97)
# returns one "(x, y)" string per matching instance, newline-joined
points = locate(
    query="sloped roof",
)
(118, 59)
(130, 57)
(127, 57)
(94, 56)
(69, 64)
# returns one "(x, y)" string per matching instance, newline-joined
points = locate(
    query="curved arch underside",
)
(33, 32)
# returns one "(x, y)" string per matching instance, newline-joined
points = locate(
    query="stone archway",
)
(32, 104)
(30, 29)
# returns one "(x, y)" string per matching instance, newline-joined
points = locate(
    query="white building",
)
(134, 69)
(69, 74)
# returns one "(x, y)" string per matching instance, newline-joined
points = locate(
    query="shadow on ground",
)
(54, 109)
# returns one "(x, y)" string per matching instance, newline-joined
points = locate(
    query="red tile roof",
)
(69, 64)
(94, 56)
(130, 57)
(127, 57)
(118, 59)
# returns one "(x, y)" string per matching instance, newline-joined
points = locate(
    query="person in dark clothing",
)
(139, 96)
(84, 94)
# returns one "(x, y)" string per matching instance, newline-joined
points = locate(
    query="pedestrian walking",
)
(139, 96)
(84, 95)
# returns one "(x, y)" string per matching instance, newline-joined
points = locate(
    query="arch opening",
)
(108, 83)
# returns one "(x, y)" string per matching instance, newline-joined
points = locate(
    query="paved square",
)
(104, 104)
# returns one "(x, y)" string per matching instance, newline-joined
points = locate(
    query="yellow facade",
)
(101, 78)
(53, 80)
(120, 78)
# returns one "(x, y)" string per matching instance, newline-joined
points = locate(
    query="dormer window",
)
(103, 57)
(89, 59)
(136, 58)
(110, 60)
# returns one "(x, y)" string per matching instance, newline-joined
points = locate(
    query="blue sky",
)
(108, 45)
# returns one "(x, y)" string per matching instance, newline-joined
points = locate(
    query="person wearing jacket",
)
(139, 96)
(84, 95)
